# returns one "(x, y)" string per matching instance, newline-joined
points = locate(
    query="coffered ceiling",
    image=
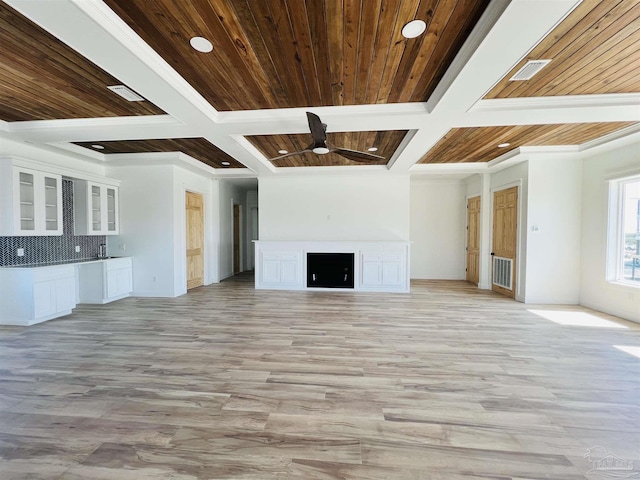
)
(443, 97)
(198, 148)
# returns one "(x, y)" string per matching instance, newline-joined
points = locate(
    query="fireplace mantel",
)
(378, 266)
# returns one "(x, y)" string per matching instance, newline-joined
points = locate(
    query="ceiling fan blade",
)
(357, 156)
(301, 152)
(318, 129)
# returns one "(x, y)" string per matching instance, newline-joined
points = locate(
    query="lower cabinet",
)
(380, 270)
(33, 295)
(105, 281)
(280, 269)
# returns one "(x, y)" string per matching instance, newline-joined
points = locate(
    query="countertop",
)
(62, 262)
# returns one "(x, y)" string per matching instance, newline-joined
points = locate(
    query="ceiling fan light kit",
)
(320, 146)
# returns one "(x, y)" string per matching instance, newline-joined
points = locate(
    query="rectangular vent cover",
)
(126, 93)
(502, 272)
(529, 70)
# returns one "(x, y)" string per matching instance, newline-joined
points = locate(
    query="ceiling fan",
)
(320, 146)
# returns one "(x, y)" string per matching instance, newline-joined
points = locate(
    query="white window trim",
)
(615, 234)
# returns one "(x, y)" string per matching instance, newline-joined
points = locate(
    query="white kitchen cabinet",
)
(30, 202)
(95, 208)
(105, 281)
(30, 295)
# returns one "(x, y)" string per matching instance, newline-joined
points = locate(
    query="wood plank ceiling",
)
(480, 144)
(386, 143)
(595, 50)
(43, 79)
(292, 53)
(198, 148)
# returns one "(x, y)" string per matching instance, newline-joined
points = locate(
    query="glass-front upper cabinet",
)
(33, 205)
(52, 204)
(95, 208)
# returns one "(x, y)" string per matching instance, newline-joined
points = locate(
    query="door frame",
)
(205, 250)
(519, 273)
(466, 236)
(235, 202)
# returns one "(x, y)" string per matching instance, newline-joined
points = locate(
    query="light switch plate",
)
(77, 248)
(20, 252)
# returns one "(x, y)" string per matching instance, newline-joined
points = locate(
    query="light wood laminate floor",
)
(447, 383)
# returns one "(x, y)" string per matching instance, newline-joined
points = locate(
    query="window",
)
(623, 254)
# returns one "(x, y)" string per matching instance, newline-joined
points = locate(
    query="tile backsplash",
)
(52, 249)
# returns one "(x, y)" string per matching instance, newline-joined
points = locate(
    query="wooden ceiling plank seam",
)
(583, 52)
(138, 16)
(565, 51)
(397, 45)
(381, 44)
(462, 21)
(302, 34)
(622, 68)
(249, 25)
(228, 59)
(282, 20)
(320, 42)
(242, 45)
(418, 51)
(579, 20)
(368, 27)
(271, 38)
(334, 13)
(350, 47)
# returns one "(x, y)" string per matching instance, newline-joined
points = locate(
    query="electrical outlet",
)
(123, 247)
(20, 252)
(77, 248)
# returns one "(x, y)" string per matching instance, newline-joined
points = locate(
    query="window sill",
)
(622, 283)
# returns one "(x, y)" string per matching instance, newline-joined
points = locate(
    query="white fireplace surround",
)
(378, 266)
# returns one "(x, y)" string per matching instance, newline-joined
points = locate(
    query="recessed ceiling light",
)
(226, 164)
(321, 150)
(502, 145)
(372, 149)
(282, 152)
(201, 44)
(414, 29)
(97, 147)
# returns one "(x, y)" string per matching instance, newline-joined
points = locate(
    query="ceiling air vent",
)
(529, 70)
(126, 93)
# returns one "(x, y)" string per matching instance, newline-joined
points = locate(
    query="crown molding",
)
(558, 102)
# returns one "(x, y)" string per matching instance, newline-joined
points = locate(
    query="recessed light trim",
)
(97, 147)
(283, 152)
(503, 145)
(321, 150)
(226, 164)
(414, 29)
(372, 149)
(201, 44)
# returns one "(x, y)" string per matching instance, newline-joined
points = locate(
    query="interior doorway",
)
(237, 238)
(505, 241)
(195, 239)
(473, 240)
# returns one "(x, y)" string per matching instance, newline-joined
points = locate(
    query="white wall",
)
(438, 227)
(553, 230)
(153, 227)
(354, 207)
(146, 227)
(595, 291)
